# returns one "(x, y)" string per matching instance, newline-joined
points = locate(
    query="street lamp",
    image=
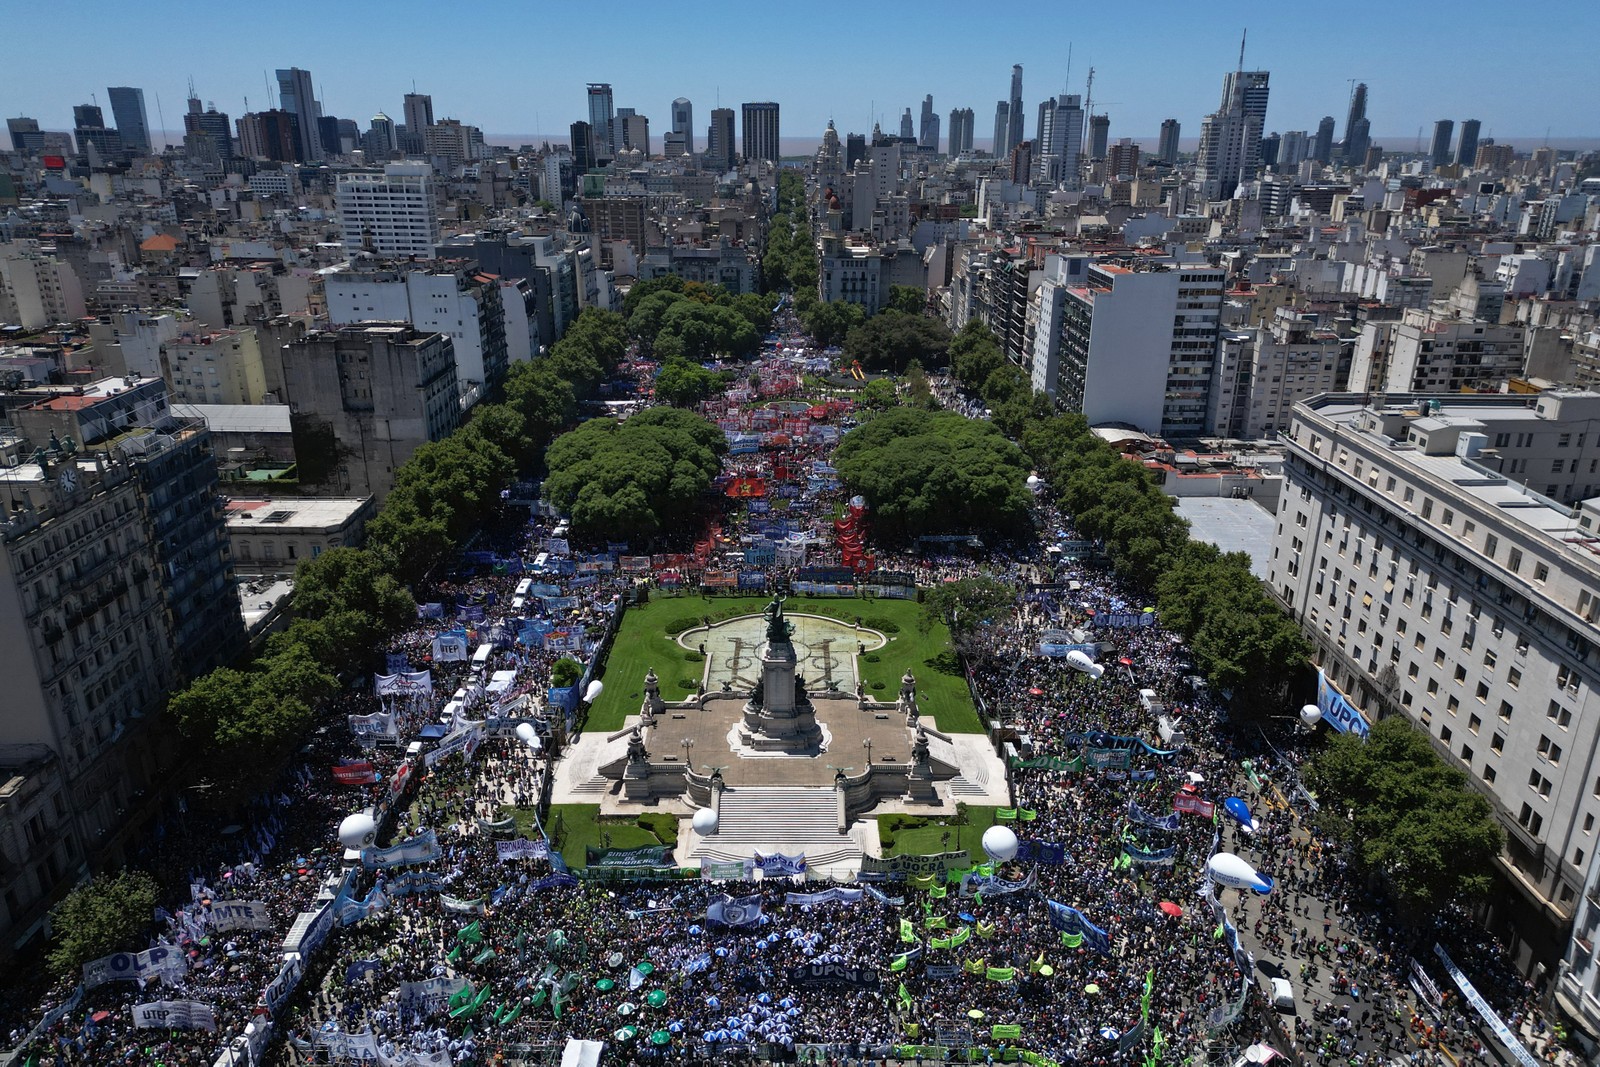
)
(867, 744)
(687, 743)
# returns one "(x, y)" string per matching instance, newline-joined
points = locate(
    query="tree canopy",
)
(636, 479)
(891, 339)
(789, 260)
(1406, 816)
(925, 472)
(109, 914)
(964, 606)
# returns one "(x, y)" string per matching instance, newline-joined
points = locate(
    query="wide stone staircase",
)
(771, 820)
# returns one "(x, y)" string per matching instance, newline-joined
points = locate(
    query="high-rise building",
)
(115, 587)
(26, 137)
(1356, 127)
(1014, 109)
(855, 149)
(1322, 147)
(1125, 345)
(1467, 147)
(391, 214)
(1167, 147)
(1486, 612)
(907, 126)
(1230, 137)
(719, 140)
(635, 131)
(960, 131)
(761, 132)
(582, 138)
(1439, 150)
(1058, 154)
(465, 306)
(453, 141)
(683, 122)
(295, 95)
(602, 122)
(211, 124)
(1269, 150)
(270, 135)
(133, 123)
(381, 389)
(1099, 135)
(1002, 129)
(1293, 149)
(1122, 159)
(417, 116)
(381, 140)
(89, 131)
(928, 128)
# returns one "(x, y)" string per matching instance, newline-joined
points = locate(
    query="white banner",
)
(430, 996)
(464, 740)
(414, 1059)
(228, 915)
(1481, 1006)
(361, 1048)
(174, 1015)
(167, 964)
(412, 684)
(424, 848)
(380, 725)
(450, 648)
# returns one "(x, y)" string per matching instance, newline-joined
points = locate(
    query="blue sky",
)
(520, 68)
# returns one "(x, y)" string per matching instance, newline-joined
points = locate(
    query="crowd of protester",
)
(522, 955)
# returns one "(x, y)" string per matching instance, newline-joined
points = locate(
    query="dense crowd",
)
(488, 956)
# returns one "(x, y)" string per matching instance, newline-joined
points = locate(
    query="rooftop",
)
(238, 418)
(295, 513)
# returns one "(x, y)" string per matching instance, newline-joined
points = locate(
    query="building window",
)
(1540, 572)
(1483, 692)
(1513, 678)
(1497, 745)
(1531, 820)
(1550, 751)
(1473, 724)
(1505, 711)
(1489, 774)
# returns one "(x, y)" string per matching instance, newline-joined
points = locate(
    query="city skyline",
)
(1411, 87)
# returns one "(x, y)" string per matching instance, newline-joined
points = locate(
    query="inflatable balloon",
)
(1240, 812)
(1311, 715)
(1230, 870)
(704, 822)
(527, 734)
(591, 694)
(358, 831)
(1000, 843)
(1081, 660)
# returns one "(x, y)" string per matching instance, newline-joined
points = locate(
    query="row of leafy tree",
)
(348, 601)
(684, 323)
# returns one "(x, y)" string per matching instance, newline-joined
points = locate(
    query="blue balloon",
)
(1240, 813)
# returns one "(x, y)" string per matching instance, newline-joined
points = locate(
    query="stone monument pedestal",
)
(779, 717)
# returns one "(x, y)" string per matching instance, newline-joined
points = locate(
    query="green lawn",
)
(643, 643)
(925, 840)
(575, 826)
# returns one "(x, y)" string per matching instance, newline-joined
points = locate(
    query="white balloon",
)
(1096, 670)
(527, 734)
(1311, 715)
(1080, 660)
(592, 694)
(1231, 870)
(358, 831)
(1000, 843)
(704, 822)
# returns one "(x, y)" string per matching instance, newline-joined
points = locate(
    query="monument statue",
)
(778, 628)
(637, 755)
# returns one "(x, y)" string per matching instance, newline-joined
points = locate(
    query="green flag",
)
(462, 996)
(900, 962)
(1005, 1031)
(908, 933)
(1027, 815)
(1144, 1001)
(1071, 940)
(974, 966)
(1158, 1044)
(1000, 974)
(938, 891)
(1005, 814)
(940, 942)
(986, 929)
(936, 922)
(960, 937)
(905, 996)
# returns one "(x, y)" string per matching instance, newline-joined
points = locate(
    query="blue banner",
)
(1338, 712)
(1124, 620)
(1144, 818)
(1072, 921)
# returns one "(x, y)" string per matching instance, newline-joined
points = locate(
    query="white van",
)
(1282, 995)
(480, 658)
(1172, 735)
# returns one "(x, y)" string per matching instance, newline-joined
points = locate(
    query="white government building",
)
(1444, 554)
